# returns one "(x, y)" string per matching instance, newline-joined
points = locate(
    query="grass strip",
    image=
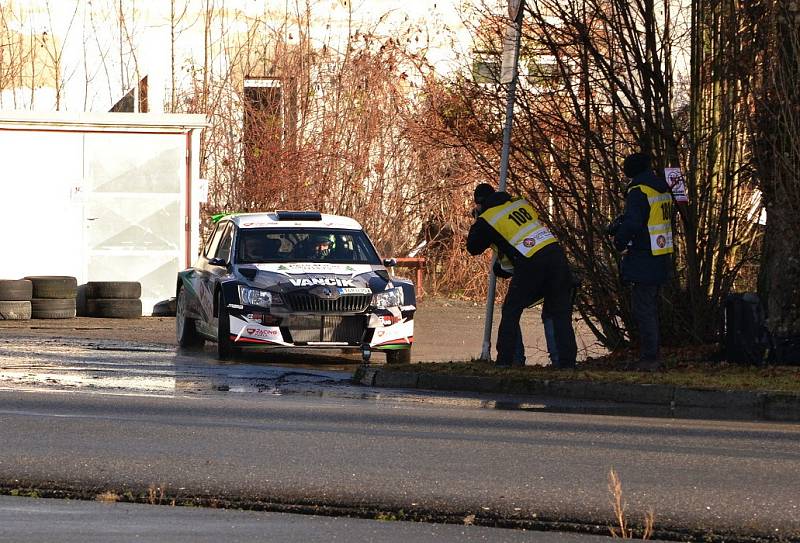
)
(697, 375)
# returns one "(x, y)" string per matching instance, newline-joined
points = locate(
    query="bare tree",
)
(776, 144)
(14, 53)
(599, 82)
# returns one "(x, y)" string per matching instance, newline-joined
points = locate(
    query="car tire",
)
(53, 308)
(113, 289)
(53, 286)
(225, 347)
(114, 308)
(15, 310)
(165, 308)
(398, 356)
(16, 290)
(185, 330)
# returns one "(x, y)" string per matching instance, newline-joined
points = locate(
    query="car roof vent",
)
(284, 215)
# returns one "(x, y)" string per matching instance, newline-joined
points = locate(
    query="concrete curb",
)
(678, 401)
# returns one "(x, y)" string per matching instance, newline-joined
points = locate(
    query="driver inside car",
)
(321, 247)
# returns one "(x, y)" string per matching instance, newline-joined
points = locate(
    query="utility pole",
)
(508, 77)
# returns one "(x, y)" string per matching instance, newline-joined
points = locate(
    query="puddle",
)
(142, 368)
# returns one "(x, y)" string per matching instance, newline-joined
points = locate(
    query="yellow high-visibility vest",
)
(520, 226)
(659, 222)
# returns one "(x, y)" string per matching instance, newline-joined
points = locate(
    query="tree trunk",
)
(780, 271)
(778, 159)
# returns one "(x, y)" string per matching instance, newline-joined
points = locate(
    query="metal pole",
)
(512, 89)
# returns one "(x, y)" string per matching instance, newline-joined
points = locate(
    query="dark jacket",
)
(639, 265)
(482, 236)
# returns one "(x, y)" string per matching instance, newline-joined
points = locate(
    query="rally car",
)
(294, 279)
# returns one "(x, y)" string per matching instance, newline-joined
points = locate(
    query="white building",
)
(101, 197)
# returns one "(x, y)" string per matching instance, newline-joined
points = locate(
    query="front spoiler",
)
(386, 330)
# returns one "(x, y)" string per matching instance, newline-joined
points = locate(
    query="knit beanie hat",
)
(635, 164)
(482, 191)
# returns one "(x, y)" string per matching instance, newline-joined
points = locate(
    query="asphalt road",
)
(34, 520)
(390, 456)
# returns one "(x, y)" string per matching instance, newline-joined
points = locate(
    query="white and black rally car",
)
(294, 279)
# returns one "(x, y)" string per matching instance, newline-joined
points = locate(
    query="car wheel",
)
(398, 356)
(225, 347)
(185, 330)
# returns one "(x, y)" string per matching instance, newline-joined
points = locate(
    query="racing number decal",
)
(666, 209)
(520, 216)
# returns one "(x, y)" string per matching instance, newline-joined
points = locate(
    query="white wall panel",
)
(98, 197)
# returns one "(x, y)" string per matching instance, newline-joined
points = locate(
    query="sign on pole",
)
(676, 183)
(509, 59)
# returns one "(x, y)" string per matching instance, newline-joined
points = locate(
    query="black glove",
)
(613, 226)
(500, 272)
(475, 212)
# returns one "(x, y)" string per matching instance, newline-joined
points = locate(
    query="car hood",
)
(306, 276)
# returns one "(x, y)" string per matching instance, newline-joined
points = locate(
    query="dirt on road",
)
(444, 330)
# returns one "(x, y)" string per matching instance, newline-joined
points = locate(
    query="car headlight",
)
(255, 296)
(388, 298)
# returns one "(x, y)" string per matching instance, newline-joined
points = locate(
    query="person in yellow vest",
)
(644, 234)
(512, 228)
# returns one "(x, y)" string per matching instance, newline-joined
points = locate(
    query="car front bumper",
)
(379, 329)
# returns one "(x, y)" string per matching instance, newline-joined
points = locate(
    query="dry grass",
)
(156, 495)
(622, 530)
(696, 375)
(107, 497)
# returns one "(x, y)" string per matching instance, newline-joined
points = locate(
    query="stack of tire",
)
(53, 296)
(15, 299)
(114, 299)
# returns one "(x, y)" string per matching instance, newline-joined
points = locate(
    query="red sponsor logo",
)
(529, 242)
(661, 241)
(388, 320)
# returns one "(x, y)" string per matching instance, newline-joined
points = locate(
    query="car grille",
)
(303, 301)
(305, 328)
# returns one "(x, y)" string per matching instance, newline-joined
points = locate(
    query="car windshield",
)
(259, 245)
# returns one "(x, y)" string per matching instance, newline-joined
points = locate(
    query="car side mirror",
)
(389, 262)
(217, 261)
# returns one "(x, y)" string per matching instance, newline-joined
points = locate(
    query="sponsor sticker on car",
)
(272, 332)
(355, 290)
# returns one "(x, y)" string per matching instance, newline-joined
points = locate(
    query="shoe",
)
(563, 366)
(502, 364)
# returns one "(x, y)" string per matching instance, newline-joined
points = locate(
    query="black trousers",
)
(644, 306)
(547, 276)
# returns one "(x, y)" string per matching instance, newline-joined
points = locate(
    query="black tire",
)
(53, 308)
(114, 308)
(15, 310)
(185, 330)
(53, 286)
(398, 356)
(225, 347)
(114, 289)
(165, 308)
(16, 290)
